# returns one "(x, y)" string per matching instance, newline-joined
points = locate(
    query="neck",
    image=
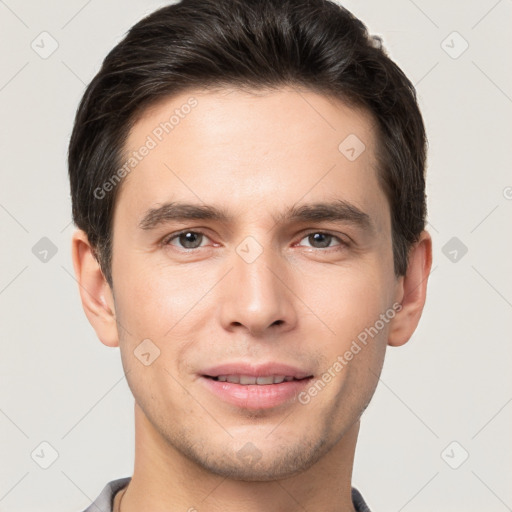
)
(165, 479)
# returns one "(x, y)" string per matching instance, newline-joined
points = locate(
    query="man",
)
(248, 182)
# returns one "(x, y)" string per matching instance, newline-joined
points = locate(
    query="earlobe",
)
(95, 292)
(412, 292)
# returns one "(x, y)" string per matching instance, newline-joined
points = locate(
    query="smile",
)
(245, 380)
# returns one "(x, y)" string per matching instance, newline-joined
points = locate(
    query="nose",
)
(258, 295)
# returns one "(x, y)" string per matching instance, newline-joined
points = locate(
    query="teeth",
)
(250, 379)
(265, 380)
(245, 379)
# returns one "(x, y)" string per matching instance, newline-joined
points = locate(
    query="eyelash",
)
(166, 241)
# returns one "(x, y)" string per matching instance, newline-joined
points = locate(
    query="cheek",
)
(361, 324)
(151, 297)
(348, 300)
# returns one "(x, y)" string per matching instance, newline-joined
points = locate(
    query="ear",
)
(95, 292)
(412, 291)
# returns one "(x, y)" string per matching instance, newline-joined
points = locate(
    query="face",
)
(284, 268)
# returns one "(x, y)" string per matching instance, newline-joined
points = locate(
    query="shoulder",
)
(106, 498)
(358, 501)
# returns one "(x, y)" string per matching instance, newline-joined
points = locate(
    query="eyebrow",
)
(334, 211)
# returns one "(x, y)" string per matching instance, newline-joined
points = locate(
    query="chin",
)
(251, 464)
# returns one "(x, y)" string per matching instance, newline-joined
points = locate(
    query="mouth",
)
(246, 380)
(256, 386)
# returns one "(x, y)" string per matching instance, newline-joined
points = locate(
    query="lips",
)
(243, 369)
(255, 386)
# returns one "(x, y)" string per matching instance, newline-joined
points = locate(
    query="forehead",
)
(250, 148)
(228, 116)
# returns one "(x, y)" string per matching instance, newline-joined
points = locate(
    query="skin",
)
(255, 154)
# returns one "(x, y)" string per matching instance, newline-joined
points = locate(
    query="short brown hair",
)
(316, 44)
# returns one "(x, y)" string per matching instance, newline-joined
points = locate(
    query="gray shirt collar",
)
(104, 502)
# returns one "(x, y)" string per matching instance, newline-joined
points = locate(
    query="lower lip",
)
(255, 396)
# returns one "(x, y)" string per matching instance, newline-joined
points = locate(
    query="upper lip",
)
(256, 370)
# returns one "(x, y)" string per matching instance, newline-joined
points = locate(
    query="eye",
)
(190, 240)
(187, 239)
(322, 240)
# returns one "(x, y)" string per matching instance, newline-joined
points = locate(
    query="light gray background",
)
(451, 382)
